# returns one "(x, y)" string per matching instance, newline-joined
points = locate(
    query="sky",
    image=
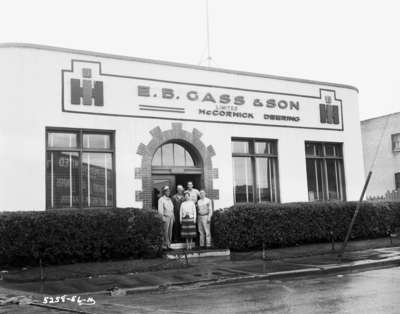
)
(351, 42)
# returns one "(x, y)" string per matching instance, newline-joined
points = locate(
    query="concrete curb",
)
(327, 269)
(320, 269)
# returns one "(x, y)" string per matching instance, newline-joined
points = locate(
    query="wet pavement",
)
(373, 291)
(204, 270)
(206, 275)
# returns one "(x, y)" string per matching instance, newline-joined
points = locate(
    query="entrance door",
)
(172, 180)
(158, 182)
(175, 163)
(183, 179)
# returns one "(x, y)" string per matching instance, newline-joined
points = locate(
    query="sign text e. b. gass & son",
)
(89, 91)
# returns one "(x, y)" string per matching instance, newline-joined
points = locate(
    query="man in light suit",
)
(205, 211)
(166, 210)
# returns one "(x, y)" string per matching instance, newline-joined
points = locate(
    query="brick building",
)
(84, 129)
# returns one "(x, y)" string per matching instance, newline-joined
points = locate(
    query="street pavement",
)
(371, 291)
(219, 285)
(210, 270)
(375, 291)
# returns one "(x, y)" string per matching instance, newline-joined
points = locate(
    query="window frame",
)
(194, 158)
(324, 158)
(253, 156)
(81, 150)
(394, 149)
(397, 186)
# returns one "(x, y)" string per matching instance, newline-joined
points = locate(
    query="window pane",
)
(274, 179)
(97, 179)
(240, 147)
(62, 140)
(319, 150)
(340, 176)
(179, 155)
(312, 180)
(396, 142)
(330, 149)
(262, 180)
(338, 150)
(167, 155)
(62, 179)
(310, 149)
(335, 179)
(243, 179)
(333, 186)
(315, 179)
(266, 180)
(261, 148)
(273, 148)
(397, 180)
(100, 141)
(157, 158)
(172, 155)
(188, 160)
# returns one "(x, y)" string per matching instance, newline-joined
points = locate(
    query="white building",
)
(386, 171)
(87, 129)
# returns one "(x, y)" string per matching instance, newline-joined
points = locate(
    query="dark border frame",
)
(80, 132)
(200, 85)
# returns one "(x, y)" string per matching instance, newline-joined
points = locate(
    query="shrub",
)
(70, 236)
(248, 226)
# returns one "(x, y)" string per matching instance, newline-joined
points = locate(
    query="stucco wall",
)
(387, 162)
(31, 101)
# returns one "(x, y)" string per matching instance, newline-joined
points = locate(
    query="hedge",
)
(249, 227)
(71, 236)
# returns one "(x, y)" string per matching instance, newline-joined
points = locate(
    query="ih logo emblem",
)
(87, 91)
(329, 113)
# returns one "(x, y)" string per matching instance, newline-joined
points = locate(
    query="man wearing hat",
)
(166, 210)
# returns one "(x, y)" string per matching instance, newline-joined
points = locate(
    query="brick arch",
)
(176, 133)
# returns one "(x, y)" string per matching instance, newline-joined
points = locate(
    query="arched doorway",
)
(175, 163)
(191, 142)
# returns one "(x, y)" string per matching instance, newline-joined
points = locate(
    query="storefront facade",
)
(82, 129)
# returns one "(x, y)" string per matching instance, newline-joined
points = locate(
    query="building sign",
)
(89, 91)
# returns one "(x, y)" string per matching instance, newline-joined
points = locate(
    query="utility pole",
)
(346, 239)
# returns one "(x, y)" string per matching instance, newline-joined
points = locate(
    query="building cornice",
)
(173, 64)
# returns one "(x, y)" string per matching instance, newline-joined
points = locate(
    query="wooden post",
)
(264, 254)
(332, 240)
(346, 239)
(41, 270)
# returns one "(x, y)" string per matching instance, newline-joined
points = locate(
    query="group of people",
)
(182, 212)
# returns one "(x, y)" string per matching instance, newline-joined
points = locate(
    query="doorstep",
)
(196, 253)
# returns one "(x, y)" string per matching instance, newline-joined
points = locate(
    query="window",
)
(255, 170)
(397, 180)
(79, 169)
(172, 155)
(325, 173)
(396, 142)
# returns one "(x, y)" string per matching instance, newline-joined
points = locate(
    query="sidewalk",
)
(280, 263)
